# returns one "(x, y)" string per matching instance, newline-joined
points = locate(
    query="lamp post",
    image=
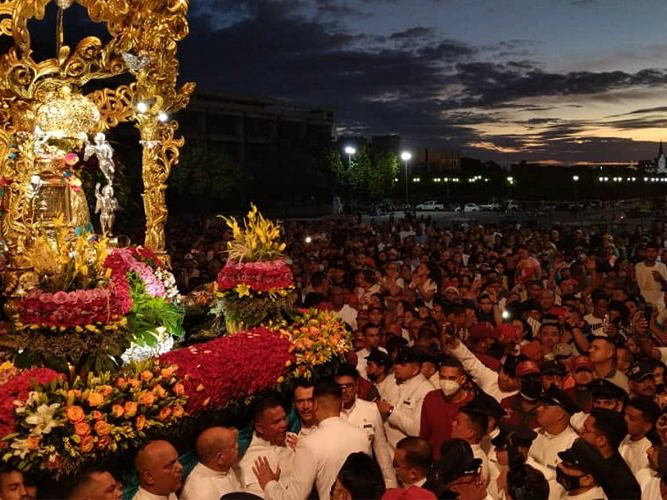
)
(350, 151)
(406, 156)
(575, 179)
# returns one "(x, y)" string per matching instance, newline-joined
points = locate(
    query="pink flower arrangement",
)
(231, 368)
(17, 389)
(259, 276)
(77, 308)
(122, 260)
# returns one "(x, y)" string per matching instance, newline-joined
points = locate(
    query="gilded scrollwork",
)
(147, 30)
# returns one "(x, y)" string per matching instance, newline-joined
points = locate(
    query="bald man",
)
(94, 484)
(159, 471)
(215, 474)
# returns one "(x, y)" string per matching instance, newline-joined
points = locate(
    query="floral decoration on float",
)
(256, 285)
(92, 303)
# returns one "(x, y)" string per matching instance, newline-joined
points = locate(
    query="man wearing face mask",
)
(522, 408)
(441, 406)
(378, 370)
(581, 472)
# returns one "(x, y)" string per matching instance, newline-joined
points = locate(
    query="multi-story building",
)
(252, 129)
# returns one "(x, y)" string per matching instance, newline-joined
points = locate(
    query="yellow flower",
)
(243, 290)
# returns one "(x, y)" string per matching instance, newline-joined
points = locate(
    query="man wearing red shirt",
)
(441, 406)
(521, 408)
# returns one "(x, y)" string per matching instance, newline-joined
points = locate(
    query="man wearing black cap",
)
(403, 415)
(457, 472)
(552, 373)
(581, 472)
(607, 395)
(605, 430)
(641, 378)
(555, 433)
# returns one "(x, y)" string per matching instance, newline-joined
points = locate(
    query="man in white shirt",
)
(651, 479)
(580, 472)
(365, 416)
(412, 461)
(641, 414)
(158, 470)
(342, 310)
(378, 371)
(269, 441)
(372, 339)
(470, 425)
(500, 384)
(320, 455)
(652, 277)
(553, 436)
(403, 416)
(215, 474)
(303, 404)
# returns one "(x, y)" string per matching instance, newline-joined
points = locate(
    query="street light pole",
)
(350, 151)
(406, 156)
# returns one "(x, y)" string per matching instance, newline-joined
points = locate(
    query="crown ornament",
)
(67, 115)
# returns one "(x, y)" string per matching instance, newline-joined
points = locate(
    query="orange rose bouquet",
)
(64, 425)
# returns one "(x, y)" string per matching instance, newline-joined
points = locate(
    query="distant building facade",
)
(438, 161)
(251, 129)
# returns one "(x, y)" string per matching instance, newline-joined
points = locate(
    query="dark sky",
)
(542, 80)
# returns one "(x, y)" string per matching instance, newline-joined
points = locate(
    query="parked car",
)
(490, 207)
(511, 206)
(471, 207)
(430, 205)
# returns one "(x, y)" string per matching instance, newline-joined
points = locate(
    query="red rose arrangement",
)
(258, 276)
(231, 368)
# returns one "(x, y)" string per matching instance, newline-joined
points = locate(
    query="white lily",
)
(43, 419)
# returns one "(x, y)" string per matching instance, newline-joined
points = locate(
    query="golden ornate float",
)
(42, 103)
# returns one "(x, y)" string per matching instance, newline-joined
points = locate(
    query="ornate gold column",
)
(160, 153)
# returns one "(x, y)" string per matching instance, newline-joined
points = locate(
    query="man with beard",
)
(641, 414)
(653, 480)
(441, 406)
(605, 430)
(641, 378)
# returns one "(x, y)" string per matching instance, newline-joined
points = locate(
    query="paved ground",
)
(588, 217)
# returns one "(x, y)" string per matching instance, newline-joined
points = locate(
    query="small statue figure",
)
(104, 153)
(107, 204)
(41, 146)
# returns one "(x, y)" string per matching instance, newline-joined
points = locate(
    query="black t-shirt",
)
(620, 483)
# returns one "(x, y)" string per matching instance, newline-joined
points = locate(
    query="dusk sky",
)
(542, 80)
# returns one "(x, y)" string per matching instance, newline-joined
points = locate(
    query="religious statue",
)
(104, 153)
(107, 204)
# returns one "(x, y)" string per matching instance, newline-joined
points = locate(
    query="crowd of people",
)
(490, 362)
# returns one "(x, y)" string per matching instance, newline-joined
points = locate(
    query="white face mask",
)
(449, 387)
